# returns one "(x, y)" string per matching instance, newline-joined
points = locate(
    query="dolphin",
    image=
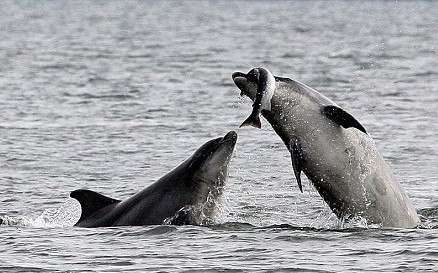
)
(186, 195)
(335, 152)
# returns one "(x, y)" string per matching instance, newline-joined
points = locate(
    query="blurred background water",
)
(111, 95)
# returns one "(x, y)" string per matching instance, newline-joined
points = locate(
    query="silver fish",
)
(265, 82)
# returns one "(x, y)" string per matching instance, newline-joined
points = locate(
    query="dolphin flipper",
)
(91, 202)
(297, 157)
(341, 117)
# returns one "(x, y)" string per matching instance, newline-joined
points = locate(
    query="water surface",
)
(111, 95)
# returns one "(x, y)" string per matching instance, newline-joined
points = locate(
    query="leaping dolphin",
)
(335, 152)
(186, 195)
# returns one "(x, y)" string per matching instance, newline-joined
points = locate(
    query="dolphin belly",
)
(336, 153)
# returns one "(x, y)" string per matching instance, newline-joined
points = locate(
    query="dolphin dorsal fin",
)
(341, 117)
(91, 202)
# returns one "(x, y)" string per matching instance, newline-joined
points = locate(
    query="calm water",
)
(111, 95)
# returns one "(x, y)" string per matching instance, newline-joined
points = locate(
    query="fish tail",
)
(252, 120)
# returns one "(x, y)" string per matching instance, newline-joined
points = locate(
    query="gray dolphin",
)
(186, 195)
(335, 152)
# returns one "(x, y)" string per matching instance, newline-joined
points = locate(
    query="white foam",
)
(65, 216)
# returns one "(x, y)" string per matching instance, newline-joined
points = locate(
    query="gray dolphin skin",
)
(335, 152)
(186, 195)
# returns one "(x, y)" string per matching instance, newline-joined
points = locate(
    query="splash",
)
(203, 214)
(65, 216)
(6, 220)
(328, 220)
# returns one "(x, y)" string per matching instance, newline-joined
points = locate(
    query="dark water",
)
(111, 95)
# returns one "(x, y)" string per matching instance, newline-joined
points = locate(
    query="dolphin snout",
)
(230, 136)
(238, 75)
(241, 81)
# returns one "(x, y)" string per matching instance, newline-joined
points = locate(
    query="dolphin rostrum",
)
(335, 152)
(186, 195)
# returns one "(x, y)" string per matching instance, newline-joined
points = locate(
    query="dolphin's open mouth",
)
(237, 75)
(240, 80)
(244, 83)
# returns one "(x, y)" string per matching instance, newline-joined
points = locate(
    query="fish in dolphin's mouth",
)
(265, 90)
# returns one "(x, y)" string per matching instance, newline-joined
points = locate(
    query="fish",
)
(265, 82)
